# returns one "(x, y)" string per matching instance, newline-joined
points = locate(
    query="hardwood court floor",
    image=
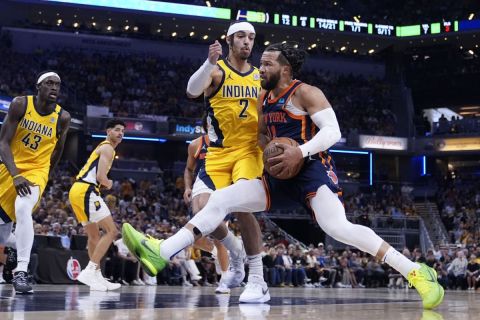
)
(163, 302)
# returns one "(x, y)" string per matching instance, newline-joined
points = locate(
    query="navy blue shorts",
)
(288, 194)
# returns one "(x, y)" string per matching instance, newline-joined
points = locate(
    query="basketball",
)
(271, 150)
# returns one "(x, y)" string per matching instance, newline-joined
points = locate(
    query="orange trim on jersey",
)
(267, 192)
(329, 161)
(282, 93)
(199, 148)
(313, 130)
(262, 98)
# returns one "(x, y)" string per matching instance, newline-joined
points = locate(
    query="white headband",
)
(241, 26)
(46, 75)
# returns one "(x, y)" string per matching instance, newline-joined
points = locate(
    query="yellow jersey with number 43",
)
(231, 109)
(35, 138)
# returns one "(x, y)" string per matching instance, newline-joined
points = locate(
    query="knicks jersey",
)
(89, 171)
(231, 109)
(200, 154)
(35, 138)
(282, 119)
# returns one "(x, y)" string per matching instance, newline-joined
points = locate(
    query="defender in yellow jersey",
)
(91, 210)
(231, 87)
(31, 143)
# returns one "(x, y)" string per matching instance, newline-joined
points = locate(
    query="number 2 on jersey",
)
(244, 104)
(34, 143)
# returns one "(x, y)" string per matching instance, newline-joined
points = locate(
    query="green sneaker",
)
(425, 281)
(145, 248)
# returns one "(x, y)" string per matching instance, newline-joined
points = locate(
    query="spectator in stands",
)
(473, 271)
(457, 271)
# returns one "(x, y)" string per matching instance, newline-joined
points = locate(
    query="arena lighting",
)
(370, 155)
(222, 37)
(59, 21)
(371, 51)
(174, 34)
(154, 6)
(94, 24)
(208, 3)
(109, 28)
(424, 165)
(159, 30)
(135, 28)
(205, 37)
(371, 168)
(75, 25)
(102, 136)
(470, 17)
(356, 19)
(354, 50)
(314, 45)
(266, 43)
(192, 34)
(127, 27)
(471, 52)
(343, 48)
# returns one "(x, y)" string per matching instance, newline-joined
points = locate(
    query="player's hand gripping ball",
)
(280, 164)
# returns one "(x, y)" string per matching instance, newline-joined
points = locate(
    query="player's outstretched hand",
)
(214, 52)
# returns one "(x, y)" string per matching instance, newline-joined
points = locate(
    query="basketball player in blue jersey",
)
(31, 143)
(231, 87)
(301, 112)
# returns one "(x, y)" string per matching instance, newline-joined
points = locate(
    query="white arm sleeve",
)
(328, 135)
(199, 80)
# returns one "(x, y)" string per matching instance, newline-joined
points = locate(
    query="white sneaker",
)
(90, 278)
(110, 286)
(222, 288)
(256, 291)
(236, 271)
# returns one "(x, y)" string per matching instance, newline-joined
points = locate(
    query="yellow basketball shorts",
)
(86, 203)
(8, 194)
(224, 166)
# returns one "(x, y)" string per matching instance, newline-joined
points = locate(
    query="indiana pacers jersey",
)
(88, 173)
(35, 138)
(32, 146)
(231, 109)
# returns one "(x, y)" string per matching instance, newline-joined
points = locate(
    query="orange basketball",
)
(271, 150)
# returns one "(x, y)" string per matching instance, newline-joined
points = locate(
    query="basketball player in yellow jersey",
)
(31, 143)
(90, 209)
(231, 87)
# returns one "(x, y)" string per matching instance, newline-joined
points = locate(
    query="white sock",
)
(399, 262)
(255, 267)
(173, 245)
(24, 229)
(91, 266)
(233, 244)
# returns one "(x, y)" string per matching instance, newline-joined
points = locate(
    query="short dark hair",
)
(113, 122)
(290, 54)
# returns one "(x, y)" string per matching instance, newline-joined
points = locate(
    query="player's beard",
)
(271, 83)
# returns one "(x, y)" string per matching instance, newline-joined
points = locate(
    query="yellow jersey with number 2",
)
(232, 110)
